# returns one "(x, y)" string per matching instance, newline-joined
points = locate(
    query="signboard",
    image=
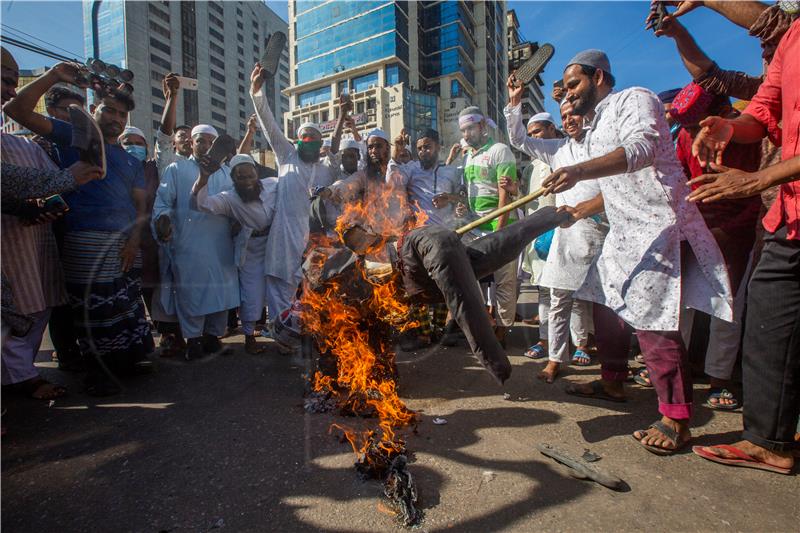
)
(330, 125)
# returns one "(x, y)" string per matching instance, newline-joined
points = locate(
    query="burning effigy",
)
(357, 290)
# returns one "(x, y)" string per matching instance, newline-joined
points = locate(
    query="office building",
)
(520, 51)
(215, 42)
(412, 64)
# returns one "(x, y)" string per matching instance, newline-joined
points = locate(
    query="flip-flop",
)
(536, 351)
(642, 378)
(742, 459)
(581, 358)
(598, 392)
(721, 394)
(668, 432)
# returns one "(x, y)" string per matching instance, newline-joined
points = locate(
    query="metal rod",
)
(501, 211)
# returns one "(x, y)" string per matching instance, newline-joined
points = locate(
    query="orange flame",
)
(355, 333)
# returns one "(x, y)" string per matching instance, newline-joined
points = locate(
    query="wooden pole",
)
(500, 211)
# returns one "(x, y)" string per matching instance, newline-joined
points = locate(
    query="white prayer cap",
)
(305, 125)
(350, 143)
(132, 130)
(204, 128)
(380, 134)
(241, 159)
(541, 117)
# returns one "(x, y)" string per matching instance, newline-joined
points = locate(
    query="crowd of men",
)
(666, 193)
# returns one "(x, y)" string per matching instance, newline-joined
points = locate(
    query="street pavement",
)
(225, 444)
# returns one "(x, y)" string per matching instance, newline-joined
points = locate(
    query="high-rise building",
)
(215, 42)
(412, 64)
(520, 51)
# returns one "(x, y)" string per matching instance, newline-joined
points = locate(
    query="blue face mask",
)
(139, 152)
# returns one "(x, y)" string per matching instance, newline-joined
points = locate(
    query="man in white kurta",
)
(252, 205)
(203, 283)
(300, 171)
(573, 249)
(659, 255)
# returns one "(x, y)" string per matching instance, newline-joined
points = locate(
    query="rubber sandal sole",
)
(598, 393)
(750, 462)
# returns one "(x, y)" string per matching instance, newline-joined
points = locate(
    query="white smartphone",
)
(190, 84)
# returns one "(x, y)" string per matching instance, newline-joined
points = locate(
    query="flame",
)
(357, 332)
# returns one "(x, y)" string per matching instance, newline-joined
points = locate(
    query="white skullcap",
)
(379, 133)
(241, 159)
(541, 117)
(132, 130)
(348, 144)
(326, 142)
(204, 128)
(305, 125)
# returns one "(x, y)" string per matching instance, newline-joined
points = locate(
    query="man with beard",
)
(658, 257)
(199, 249)
(172, 143)
(485, 167)
(572, 249)
(301, 172)
(430, 187)
(101, 251)
(251, 204)
(375, 186)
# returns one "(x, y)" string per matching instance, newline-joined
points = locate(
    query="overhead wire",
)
(33, 48)
(23, 34)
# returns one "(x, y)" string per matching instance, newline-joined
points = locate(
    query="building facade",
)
(520, 51)
(405, 64)
(215, 42)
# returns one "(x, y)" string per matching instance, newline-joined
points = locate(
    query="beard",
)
(308, 156)
(248, 194)
(586, 103)
(375, 168)
(427, 163)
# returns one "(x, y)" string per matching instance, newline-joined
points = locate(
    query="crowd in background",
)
(681, 204)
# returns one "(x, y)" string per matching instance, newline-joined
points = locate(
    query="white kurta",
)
(250, 251)
(638, 272)
(199, 276)
(288, 236)
(573, 249)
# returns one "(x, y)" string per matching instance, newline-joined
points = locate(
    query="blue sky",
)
(637, 57)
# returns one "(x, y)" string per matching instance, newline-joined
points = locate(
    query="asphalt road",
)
(225, 444)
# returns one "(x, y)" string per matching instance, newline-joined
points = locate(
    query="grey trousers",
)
(434, 262)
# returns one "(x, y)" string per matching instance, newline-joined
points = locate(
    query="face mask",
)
(139, 152)
(309, 146)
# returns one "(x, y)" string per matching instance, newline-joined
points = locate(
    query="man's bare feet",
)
(654, 436)
(770, 457)
(549, 372)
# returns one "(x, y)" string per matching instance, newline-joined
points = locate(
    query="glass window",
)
(215, 20)
(216, 7)
(216, 62)
(158, 45)
(396, 74)
(160, 62)
(314, 96)
(217, 35)
(217, 48)
(218, 90)
(158, 109)
(308, 22)
(111, 23)
(156, 12)
(218, 117)
(354, 30)
(217, 76)
(349, 57)
(448, 37)
(156, 92)
(160, 30)
(218, 103)
(342, 87)
(456, 89)
(362, 83)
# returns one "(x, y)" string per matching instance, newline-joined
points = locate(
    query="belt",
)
(261, 232)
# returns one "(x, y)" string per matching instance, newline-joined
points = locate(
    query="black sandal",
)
(668, 432)
(598, 393)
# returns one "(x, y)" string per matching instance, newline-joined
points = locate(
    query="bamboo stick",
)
(501, 211)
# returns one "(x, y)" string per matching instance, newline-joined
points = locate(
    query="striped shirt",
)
(482, 171)
(30, 257)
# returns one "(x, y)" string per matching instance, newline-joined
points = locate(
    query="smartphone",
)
(190, 84)
(55, 204)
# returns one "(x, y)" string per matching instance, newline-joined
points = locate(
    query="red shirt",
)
(776, 105)
(732, 216)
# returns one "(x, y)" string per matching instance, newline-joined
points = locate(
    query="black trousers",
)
(437, 265)
(61, 325)
(771, 348)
